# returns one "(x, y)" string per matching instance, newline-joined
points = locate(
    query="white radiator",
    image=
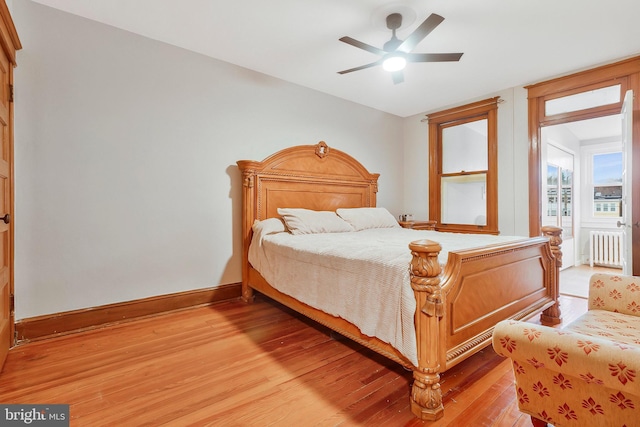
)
(605, 248)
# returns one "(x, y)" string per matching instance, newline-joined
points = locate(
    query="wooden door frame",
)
(10, 44)
(627, 73)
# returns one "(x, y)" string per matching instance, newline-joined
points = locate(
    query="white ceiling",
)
(596, 129)
(506, 43)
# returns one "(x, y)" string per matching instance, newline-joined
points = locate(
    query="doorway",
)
(582, 183)
(547, 107)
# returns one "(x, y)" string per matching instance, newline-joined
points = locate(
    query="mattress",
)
(361, 276)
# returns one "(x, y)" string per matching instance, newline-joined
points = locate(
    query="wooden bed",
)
(457, 306)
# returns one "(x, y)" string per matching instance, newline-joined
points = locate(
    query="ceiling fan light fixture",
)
(395, 53)
(394, 62)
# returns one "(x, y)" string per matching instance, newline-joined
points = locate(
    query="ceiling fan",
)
(395, 53)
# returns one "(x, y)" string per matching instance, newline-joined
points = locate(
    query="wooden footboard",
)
(457, 309)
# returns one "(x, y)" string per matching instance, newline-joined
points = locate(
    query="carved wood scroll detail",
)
(248, 179)
(553, 315)
(425, 277)
(322, 149)
(555, 240)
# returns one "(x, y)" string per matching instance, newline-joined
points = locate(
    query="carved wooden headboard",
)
(305, 176)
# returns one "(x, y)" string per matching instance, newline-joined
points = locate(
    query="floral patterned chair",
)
(587, 373)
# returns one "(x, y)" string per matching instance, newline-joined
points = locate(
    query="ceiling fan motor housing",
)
(394, 21)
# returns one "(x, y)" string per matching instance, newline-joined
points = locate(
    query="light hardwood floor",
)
(233, 364)
(574, 280)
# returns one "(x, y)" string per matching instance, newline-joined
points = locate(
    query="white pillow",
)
(363, 218)
(306, 221)
(268, 226)
(260, 230)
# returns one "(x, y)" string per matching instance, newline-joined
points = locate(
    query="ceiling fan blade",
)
(361, 45)
(433, 57)
(398, 77)
(420, 33)
(362, 67)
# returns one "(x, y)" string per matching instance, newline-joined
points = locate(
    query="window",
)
(463, 186)
(601, 181)
(583, 100)
(559, 189)
(607, 184)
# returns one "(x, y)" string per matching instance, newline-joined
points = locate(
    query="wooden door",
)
(9, 43)
(6, 288)
(627, 154)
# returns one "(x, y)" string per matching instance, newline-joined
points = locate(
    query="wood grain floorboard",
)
(233, 364)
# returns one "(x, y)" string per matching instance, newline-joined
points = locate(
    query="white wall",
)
(126, 184)
(416, 167)
(125, 151)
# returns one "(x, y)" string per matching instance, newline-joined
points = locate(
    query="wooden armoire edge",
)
(53, 325)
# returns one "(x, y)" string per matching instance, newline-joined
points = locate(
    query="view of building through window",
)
(607, 184)
(559, 199)
(565, 189)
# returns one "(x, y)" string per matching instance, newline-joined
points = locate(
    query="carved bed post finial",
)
(552, 315)
(426, 396)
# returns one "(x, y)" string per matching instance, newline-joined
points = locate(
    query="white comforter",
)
(360, 276)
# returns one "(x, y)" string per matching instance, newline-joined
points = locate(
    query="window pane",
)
(566, 212)
(464, 199)
(607, 184)
(559, 202)
(607, 169)
(552, 205)
(582, 101)
(552, 175)
(566, 201)
(465, 147)
(552, 194)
